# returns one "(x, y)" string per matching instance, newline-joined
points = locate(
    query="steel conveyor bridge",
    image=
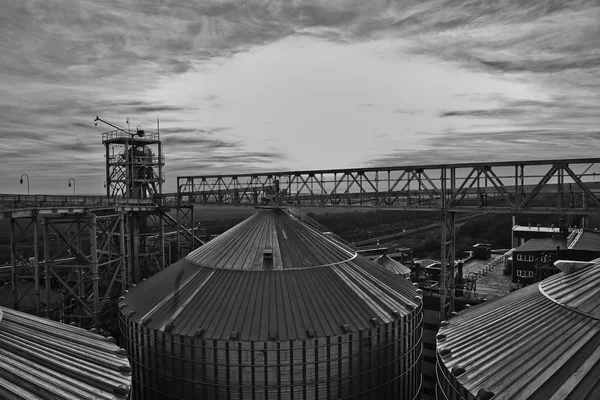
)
(546, 186)
(562, 187)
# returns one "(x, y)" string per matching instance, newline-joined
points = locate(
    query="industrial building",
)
(533, 260)
(274, 309)
(43, 359)
(523, 233)
(540, 342)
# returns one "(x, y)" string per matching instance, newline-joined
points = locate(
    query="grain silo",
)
(393, 266)
(43, 359)
(273, 309)
(540, 342)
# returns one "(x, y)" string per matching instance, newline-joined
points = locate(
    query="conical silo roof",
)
(270, 277)
(43, 359)
(540, 342)
(392, 265)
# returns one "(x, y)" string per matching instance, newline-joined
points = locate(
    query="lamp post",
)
(21, 181)
(71, 179)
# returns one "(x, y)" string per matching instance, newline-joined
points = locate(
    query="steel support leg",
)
(14, 280)
(448, 245)
(94, 265)
(36, 266)
(46, 264)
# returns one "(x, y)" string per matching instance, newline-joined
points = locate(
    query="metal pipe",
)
(160, 179)
(46, 264)
(36, 266)
(95, 277)
(107, 183)
(13, 263)
(124, 276)
(161, 238)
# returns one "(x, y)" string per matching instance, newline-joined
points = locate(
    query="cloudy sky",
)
(284, 85)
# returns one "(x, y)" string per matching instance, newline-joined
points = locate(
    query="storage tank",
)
(43, 359)
(540, 342)
(393, 266)
(273, 309)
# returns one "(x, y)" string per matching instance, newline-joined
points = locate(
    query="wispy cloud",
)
(63, 63)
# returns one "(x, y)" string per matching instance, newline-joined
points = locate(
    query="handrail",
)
(120, 134)
(9, 202)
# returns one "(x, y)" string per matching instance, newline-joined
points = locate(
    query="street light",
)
(71, 179)
(21, 181)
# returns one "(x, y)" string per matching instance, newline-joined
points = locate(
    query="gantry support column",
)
(13, 263)
(36, 266)
(45, 231)
(95, 276)
(161, 241)
(23, 256)
(134, 246)
(125, 278)
(447, 241)
(448, 244)
(185, 238)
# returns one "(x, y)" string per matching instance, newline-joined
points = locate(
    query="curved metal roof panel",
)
(320, 286)
(292, 243)
(540, 342)
(392, 265)
(43, 359)
(257, 303)
(577, 291)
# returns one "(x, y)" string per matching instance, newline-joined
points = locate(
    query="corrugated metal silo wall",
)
(380, 363)
(448, 386)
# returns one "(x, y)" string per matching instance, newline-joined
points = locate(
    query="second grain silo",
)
(393, 266)
(541, 342)
(273, 309)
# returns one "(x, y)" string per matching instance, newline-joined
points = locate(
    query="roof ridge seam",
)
(571, 308)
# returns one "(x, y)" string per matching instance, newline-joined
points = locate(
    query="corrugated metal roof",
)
(424, 263)
(393, 265)
(545, 229)
(545, 244)
(586, 240)
(577, 291)
(320, 286)
(540, 342)
(43, 359)
(293, 243)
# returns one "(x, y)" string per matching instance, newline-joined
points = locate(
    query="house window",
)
(525, 257)
(524, 274)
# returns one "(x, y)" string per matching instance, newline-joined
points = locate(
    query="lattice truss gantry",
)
(85, 266)
(25, 292)
(563, 187)
(552, 186)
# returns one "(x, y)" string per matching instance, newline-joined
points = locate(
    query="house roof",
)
(587, 240)
(543, 244)
(424, 263)
(545, 229)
